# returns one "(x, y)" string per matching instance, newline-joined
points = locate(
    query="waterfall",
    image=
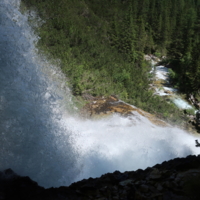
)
(32, 140)
(40, 136)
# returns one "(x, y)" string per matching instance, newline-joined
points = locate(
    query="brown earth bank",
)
(104, 106)
(177, 179)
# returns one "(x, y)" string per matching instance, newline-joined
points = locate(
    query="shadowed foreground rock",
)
(177, 179)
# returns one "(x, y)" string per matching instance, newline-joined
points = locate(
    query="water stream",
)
(162, 73)
(39, 135)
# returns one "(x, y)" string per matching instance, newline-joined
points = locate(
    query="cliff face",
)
(175, 179)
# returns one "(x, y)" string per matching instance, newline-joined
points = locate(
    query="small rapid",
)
(162, 73)
(41, 137)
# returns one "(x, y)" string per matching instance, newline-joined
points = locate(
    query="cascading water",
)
(38, 136)
(32, 141)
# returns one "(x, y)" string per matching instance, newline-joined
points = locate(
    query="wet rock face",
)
(175, 179)
(102, 107)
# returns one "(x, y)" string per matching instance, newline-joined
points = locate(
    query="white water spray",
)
(38, 136)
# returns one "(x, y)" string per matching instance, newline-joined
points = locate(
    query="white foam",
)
(125, 144)
(161, 72)
(181, 103)
(170, 89)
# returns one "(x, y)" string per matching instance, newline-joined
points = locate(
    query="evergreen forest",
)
(101, 44)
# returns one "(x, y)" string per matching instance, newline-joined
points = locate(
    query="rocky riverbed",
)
(176, 179)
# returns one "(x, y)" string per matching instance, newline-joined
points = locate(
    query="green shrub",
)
(190, 111)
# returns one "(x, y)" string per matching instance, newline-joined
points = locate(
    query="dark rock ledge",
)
(177, 179)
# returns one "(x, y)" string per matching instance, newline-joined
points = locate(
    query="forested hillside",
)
(101, 45)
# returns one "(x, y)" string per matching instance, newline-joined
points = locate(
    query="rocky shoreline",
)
(177, 179)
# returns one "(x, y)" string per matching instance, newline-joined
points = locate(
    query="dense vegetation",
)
(101, 45)
(184, 48)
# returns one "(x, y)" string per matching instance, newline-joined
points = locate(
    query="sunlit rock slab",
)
(102, 107)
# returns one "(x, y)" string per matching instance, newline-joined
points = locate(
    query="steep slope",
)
(100, 44)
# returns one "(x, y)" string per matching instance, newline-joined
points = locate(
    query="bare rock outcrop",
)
(175, 179)
(102, 107)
